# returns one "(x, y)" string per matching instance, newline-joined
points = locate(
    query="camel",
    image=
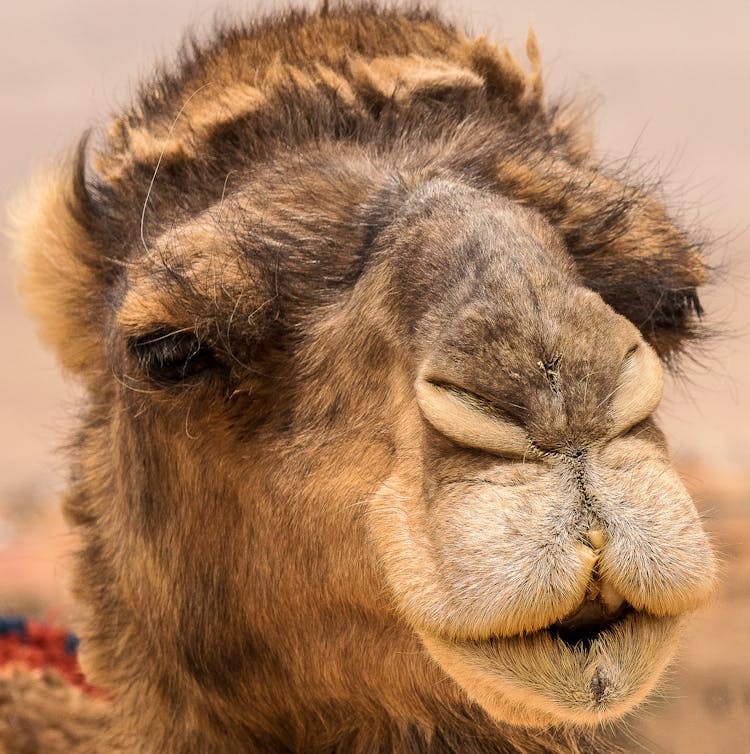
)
(371, 344)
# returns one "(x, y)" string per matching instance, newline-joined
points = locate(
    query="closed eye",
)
(169, 356)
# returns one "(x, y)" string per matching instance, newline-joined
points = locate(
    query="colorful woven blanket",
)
(46, 704)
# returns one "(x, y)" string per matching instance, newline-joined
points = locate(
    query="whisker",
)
(158, 163)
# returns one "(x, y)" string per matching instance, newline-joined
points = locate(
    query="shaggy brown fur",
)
(369, 340)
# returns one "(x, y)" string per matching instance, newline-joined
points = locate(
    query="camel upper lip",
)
(579, 628)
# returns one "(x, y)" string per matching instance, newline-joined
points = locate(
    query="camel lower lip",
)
(540, 676)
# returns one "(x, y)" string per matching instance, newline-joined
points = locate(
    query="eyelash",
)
(171, 356)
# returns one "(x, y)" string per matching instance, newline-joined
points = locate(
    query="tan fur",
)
(371, 345)
(54, 283)
(402, 77)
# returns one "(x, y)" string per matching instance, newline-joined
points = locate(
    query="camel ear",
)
(60, 270)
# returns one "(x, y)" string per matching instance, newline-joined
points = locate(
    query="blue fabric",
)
(13, 624)
(17, 624)
(71, 643)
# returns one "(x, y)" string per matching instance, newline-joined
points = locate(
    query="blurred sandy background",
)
(672, 83)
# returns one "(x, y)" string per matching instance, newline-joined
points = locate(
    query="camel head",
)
(372, 348)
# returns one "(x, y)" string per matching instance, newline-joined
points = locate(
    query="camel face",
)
(532, 529)
(372, 347)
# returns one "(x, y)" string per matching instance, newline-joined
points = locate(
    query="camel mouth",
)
(588, 622)
(589, 667)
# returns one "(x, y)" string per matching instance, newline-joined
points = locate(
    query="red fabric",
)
(44, 647)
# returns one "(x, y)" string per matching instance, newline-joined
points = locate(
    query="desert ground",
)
(670, 85)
